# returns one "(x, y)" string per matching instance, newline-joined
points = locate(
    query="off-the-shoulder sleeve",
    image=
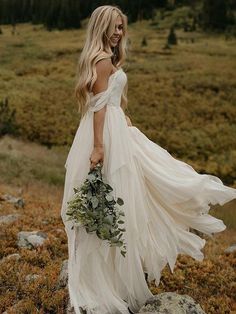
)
(98, 101)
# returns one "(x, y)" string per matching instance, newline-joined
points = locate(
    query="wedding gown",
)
(163, 198)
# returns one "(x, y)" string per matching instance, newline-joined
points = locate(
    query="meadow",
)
(182, 97)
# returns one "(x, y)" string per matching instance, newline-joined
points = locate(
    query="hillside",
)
(211, 282)
(182, 98)
(29, 281)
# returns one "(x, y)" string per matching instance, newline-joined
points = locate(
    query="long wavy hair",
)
(100, 28)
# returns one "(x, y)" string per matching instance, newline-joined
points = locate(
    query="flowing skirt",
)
(163, 198)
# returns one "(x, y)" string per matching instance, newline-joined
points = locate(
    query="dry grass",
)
(182, 98)
(24, 162)
(211, 282)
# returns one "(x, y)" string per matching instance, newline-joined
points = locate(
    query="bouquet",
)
(94, 207)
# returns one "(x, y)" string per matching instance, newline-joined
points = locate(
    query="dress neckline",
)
(100, 93)
(115, 72)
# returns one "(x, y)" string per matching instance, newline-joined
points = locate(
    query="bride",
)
(163, 197)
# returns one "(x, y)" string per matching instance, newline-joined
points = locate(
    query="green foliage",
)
(7, 119)
(216, 15)
(25, 162)
(63, 14)
(190, 99)
(94, 207)
(144, 42)
(172, 38)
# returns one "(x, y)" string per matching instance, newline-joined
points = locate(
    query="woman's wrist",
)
(98, 145)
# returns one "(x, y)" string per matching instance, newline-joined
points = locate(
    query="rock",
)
(17, 201)
(31, 239)
(171, 303)
(63, 277)
(8, 219)
(32, 277)
(230, 249)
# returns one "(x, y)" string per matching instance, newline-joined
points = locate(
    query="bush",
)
(7, 119)
(144, 42)
(172, 38)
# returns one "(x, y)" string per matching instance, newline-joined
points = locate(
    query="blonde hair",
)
(100, 28)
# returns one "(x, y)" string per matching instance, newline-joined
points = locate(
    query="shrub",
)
(172, 38)
(144, 42)
(7, 119)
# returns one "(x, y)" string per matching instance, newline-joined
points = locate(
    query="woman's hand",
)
(128, 121)
(97, 156)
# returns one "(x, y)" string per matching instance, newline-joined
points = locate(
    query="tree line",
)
(69, 13)
(62, 14)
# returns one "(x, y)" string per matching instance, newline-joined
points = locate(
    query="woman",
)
(163, 197)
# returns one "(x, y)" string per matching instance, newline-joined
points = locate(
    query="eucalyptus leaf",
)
(94, 208)
(109, 198)
(119, 201)
(93, 228)
(123, 253)
(94, 201)
(121, 229)
(91, 177)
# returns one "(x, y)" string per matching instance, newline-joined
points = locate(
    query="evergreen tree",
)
(172, 38)
(68, 13)
(214, 14)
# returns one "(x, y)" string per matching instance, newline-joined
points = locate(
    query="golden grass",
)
(211, 282)
(182, 98)
(23, 163)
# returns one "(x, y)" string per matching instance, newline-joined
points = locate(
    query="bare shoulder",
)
(104, 67)
(104, 70)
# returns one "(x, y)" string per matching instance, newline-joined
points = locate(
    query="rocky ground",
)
(34, 261)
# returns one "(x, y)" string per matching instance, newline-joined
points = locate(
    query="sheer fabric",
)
(163, 198)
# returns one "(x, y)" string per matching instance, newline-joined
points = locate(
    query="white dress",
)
(163, 198)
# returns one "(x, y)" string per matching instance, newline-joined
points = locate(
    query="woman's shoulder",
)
(104, 66)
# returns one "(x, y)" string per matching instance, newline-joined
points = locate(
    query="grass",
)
(210, 282)
(23, 162)
(182, 98)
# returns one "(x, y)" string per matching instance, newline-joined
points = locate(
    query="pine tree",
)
(214, 14)
(172, 38)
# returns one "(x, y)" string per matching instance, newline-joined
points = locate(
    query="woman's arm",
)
(128, 120)
(103, 69)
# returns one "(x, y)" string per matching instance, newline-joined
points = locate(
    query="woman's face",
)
(118, 32)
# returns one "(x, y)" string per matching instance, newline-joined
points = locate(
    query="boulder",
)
(31, 239)
(17, 201)
(171, 303)
(230, 249)
(8, 219)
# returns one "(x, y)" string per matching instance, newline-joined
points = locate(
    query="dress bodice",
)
(112, 95)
